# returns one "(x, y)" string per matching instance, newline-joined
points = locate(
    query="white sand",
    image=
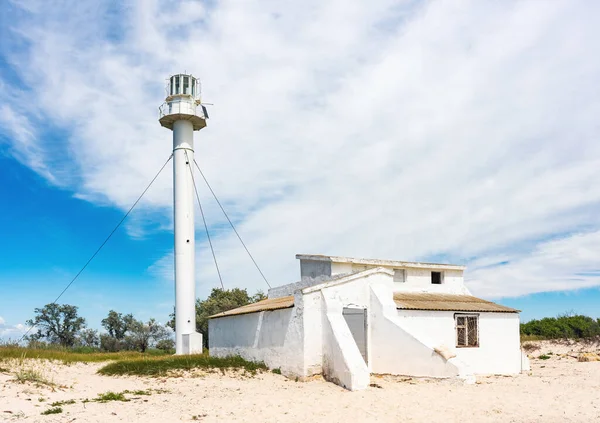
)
(559, 389)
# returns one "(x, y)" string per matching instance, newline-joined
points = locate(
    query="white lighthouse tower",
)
(183, 114)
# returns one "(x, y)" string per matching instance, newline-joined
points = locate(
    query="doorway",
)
(356, 319)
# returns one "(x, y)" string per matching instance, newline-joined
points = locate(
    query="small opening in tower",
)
(436, 278)
(186, 84)
(177, 91)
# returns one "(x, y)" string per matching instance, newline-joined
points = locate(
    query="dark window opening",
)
(436, 278)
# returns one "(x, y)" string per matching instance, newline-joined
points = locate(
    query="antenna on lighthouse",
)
(183, 113)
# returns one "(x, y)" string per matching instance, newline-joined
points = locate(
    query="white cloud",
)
(564, 263)
(463, 130)
(11, 332)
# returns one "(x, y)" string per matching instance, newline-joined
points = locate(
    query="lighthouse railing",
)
(180, 108)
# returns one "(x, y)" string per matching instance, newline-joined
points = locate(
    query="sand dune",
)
(558, 389)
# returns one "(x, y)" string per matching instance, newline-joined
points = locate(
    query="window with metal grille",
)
(467, 330)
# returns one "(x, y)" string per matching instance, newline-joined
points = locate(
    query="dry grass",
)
(21, 353)
(25, 375)
(525, 338)
(586, 357)
(529, 347)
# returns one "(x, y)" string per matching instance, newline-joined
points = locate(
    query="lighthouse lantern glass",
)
(183, 85)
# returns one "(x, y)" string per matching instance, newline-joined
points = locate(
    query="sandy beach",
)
(558, 389)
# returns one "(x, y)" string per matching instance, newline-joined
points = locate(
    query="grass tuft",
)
(161, 366)
(544, 357)
(277, 371)
(34, 376)
(54, 410)
(141, 392)
(59, 403)
(111, 396)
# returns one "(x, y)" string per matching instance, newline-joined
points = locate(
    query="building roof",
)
(264, 305)
(446, 302)
(379, 262)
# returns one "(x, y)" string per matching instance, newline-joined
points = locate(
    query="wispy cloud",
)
(465, 130)
(11, 332)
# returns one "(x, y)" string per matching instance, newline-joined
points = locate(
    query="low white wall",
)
(499, 350)
(273, 337)
(312, 316)
(398, 350)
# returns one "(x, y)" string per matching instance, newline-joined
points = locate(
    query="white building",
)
(347, 318)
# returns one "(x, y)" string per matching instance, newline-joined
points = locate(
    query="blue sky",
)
(458, 131)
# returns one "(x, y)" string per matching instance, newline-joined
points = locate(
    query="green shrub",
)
(166, 345)
(544, 357)
(276, 371)
(160, 366)
(565, 327)
(111, 396)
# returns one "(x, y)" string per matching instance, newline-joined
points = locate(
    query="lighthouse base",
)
(191, 343)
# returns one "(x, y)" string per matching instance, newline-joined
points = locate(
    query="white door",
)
(356, 319)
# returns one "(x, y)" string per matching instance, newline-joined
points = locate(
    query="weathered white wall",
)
(416, 280)
(396, 349)
(341, 268)
(294, 287)
(499, 350)
(314, 268)
(312, 316)
(419, 280)
(273, 337)
(313, 337)
(348, 291)
(342, 361)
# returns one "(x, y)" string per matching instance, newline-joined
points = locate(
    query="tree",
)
(89, 338)
(142, 335)
(57, 324)
(218, 301)
(116, 324)
(110, 343)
